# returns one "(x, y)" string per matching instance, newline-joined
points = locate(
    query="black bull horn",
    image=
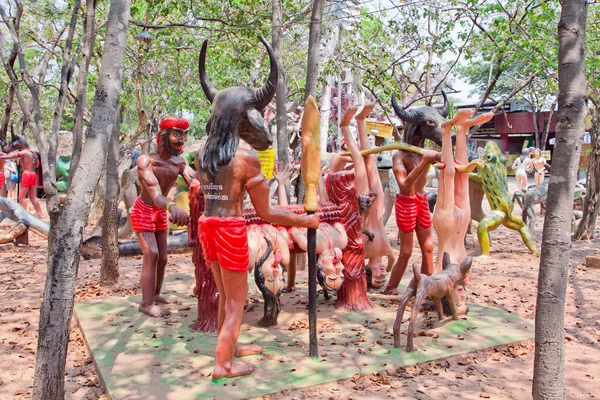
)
(262, 96)
(413, 116)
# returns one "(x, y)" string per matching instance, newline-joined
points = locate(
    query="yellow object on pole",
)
(311, 153)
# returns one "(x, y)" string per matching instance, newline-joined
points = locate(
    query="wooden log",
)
(92, 247)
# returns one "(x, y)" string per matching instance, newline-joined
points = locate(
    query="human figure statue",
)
(157, 172)
(226, 172)
(522, 164)
(452, 214)
(539, 163)
(410, 170)
(19, 148)
(370, 195)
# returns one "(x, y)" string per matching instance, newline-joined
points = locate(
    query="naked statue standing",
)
(157, 173)
(226, 173)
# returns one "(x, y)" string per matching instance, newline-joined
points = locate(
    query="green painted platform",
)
(143, 358)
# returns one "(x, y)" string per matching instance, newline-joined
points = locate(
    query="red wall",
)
(522, 122)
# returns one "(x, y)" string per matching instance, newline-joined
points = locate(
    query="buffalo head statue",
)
(237, 112)
(17, 142)
(422, 122)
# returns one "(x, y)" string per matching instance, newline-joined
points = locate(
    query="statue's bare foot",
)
(289, 289)
(235, 369)
(154, 311)
(168, 300)
(242, 350)
(391, 291)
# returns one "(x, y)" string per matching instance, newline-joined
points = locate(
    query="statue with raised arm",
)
(19, 148)
(410, 170)
(157, 172)
(226, 172)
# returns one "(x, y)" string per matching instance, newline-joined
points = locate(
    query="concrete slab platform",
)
(143, 358)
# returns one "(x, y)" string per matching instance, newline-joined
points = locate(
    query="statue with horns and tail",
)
(226, 172)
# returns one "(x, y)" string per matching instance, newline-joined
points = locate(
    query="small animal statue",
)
(494, 182)
(435, 287)
(528, 199)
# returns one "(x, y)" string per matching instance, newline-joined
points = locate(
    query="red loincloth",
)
(226, 241)
(412, 210)
(28, 179)
(146, 218)
(2, 179)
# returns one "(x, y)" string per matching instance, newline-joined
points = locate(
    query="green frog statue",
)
(63, 165)
(495, 185)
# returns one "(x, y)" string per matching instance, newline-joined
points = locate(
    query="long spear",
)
(311, 171)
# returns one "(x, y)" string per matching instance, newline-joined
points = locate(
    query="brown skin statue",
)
(410, 170)
(436, 287)
(412, 212)
(19, 148)
(226, 173)
(157, 174)
(453, 211)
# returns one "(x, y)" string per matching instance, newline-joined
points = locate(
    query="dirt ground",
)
(507, 280)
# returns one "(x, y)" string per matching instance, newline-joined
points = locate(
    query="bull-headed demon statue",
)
(226, 172)
(410, 170)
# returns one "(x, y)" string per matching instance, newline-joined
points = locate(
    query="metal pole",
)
(312, 291)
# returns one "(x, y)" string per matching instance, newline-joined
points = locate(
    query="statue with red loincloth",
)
(19, 148)
(157, 173)
(226, 172)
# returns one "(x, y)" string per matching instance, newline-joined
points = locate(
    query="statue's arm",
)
(256, 185)
(10, 156)
(150, 182)
(187, 173)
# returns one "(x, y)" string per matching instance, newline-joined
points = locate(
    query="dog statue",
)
(435, 287)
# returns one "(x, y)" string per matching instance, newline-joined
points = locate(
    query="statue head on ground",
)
(172, 135)
(330, 270)
(422, 122)
(236, 113)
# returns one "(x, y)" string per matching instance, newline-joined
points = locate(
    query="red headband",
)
(172, 122)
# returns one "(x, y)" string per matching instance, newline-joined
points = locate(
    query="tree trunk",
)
(109, 267)
(548, 123)
(280, 99)
(80, 99)
(591, 203)
(11, 91)
(548, 375)
(63, 259)
(325, 113)
(314, 39)
(536, 120)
